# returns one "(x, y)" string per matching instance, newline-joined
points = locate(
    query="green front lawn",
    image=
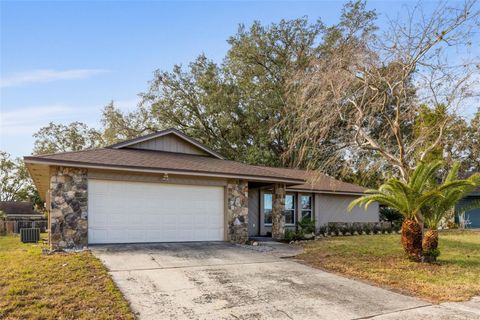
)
(379, 259)
(58, 286)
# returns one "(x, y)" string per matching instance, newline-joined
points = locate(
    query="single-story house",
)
(20, 210)
(168, 187)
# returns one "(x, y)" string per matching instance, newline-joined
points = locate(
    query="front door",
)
(253, 212)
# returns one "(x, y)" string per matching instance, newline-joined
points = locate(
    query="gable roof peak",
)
(158, 134)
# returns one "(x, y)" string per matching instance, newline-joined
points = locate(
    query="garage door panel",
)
(123, 212)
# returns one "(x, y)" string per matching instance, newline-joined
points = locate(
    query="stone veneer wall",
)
(69, 217)
(278, 211)
(237, 211)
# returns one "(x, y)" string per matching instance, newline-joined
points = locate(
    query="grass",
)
(58, 286)
(379, 259)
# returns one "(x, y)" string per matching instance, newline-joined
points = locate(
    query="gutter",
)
(344, 193)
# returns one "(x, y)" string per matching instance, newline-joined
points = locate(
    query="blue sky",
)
(64, 61)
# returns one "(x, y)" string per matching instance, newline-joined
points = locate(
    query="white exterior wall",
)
(333, 208)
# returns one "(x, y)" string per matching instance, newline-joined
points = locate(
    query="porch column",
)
(68, 212)
(278, 211)
(237, 211)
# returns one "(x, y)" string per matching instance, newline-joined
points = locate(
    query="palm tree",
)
(441, 207)
(409, 198)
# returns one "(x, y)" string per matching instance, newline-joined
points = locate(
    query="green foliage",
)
(322, 230)
(432, 253)
(234, 107)
(351, 229)
(452, 225)
(358, 228)
(389, 214)
(442, 207)
(292, 235)
(396, 226)
(307, 225)
(410, 198)
(15, 182)
(368, 228)
(460, 141)
(75, 136)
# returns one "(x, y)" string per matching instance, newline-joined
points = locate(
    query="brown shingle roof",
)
(17, 208)
(317, 182)
(160, 160)
(178, 162)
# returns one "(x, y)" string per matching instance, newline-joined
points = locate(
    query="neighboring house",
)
(167, 187)
(469, 219)
(20, 210)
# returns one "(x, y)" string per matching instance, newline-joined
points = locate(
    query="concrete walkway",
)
(223, 281)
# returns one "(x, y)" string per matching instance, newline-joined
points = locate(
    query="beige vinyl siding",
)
(169, 143)
(333, 208)
(158, 178)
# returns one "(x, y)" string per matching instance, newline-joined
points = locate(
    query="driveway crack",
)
(392, 312)
(153, 258)
(284, 312)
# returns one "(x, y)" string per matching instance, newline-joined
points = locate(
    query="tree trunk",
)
(430, 245)
(412, 239)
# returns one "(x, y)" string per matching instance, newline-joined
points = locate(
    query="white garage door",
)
(128, 212)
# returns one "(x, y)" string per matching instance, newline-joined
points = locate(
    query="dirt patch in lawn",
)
(59, 286)
(379, 259)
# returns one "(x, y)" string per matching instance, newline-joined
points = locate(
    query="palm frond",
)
(422, 195)
(423, 174)
(474, 204)
(453, 174)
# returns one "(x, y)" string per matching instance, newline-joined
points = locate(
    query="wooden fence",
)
(14, 226)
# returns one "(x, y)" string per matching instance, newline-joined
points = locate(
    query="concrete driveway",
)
(224, 281)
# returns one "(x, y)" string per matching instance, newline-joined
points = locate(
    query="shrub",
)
(388, 228)
(396, 226)
(367, 227)
(333, 229)
(359, 228)
(306, 229)
(431, 255)
(307, 225)
(389, 214)
(351, 228)
(452, 225)
(290, 235)
(294, 235)
(322, 230)
(377, 229)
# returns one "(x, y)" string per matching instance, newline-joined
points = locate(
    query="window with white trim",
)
(267, 208)
(289, 209)
(306, 207)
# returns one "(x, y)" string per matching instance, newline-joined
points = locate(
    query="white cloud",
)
(28, 120)
(17, 125)
(42, 76)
